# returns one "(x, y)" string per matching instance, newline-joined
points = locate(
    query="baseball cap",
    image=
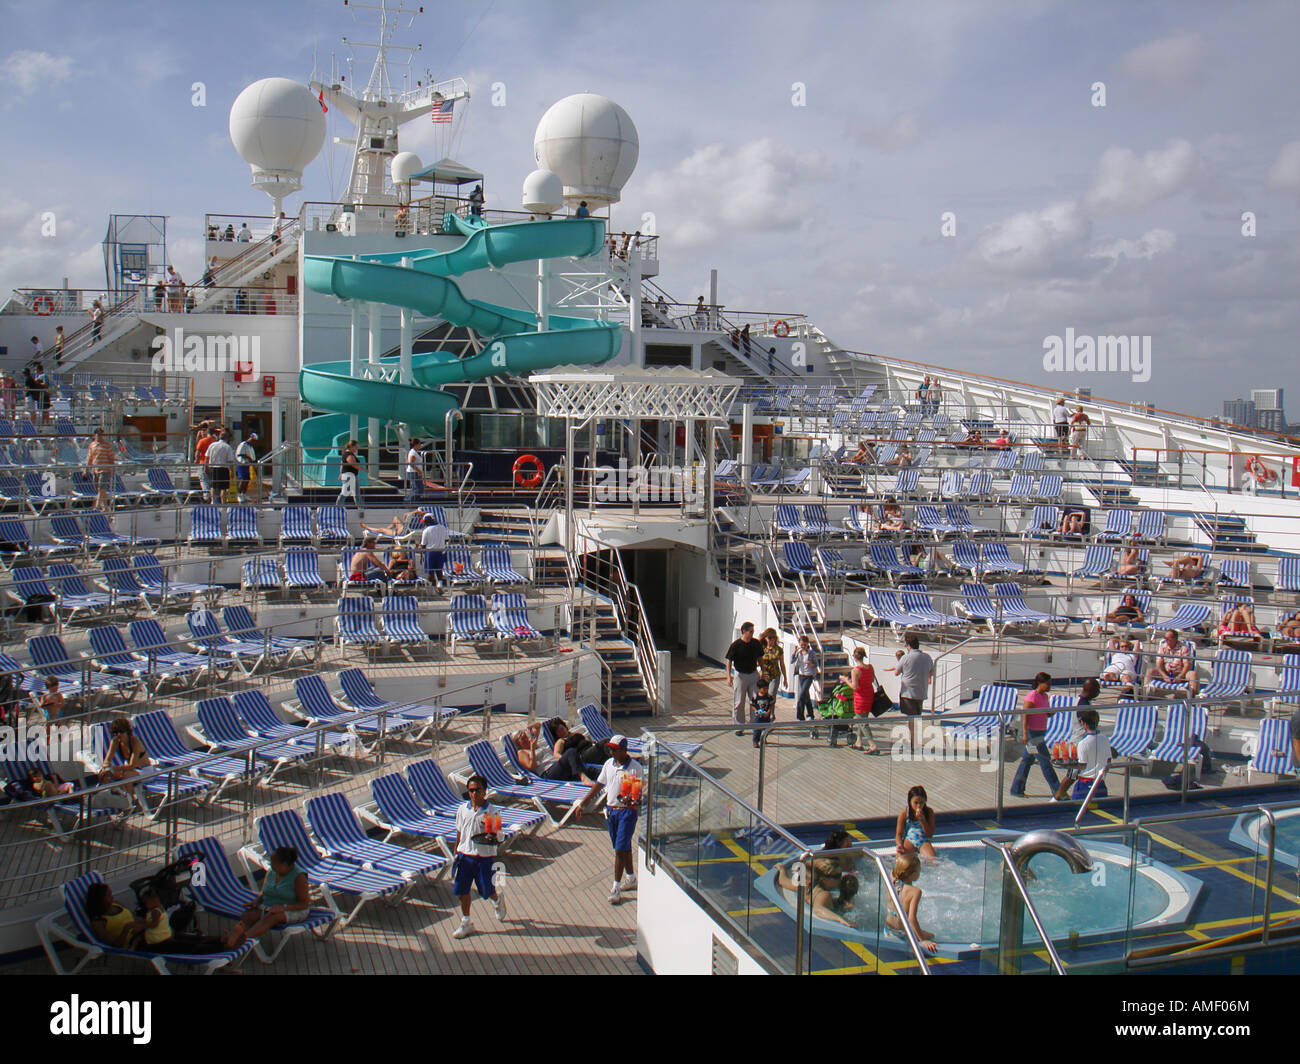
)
(618, 740)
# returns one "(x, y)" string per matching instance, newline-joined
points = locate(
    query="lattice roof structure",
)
(668, 392)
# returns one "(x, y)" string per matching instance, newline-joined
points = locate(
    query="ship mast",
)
(380, 110)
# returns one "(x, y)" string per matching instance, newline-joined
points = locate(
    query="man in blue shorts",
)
(475, 862)
(621, 811)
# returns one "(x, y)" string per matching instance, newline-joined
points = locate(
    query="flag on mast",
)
(322, 101)
(442, 110)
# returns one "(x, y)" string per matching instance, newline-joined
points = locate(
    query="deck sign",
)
(77, 1017)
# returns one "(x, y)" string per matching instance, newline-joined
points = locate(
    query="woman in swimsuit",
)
(834, 882)
(907, 867)
(914, 832)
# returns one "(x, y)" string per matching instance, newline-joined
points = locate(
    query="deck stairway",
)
(628, 694)
(511, 528)
(1229, 534)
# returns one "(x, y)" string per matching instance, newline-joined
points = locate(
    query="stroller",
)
(838, 706)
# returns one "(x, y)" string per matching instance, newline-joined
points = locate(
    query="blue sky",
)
(1123, 219)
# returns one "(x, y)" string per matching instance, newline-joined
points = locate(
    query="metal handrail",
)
(1014, 874)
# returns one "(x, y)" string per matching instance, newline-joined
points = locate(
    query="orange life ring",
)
(781, 329)
(532, 479)
(1258, 470)
(43, 305)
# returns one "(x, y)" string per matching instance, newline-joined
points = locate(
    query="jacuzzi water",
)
(952, 900)
(1251, 831)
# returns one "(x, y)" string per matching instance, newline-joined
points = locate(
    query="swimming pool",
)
(1251, 832)
(954, 908)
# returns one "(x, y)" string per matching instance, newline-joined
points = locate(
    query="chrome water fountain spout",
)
(1015, 896)
(1045, 840)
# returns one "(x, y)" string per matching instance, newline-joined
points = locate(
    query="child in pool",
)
(915, 830)
(907, 867)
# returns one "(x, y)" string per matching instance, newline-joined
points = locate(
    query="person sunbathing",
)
(1187, 567)
(1071, 523)
(366, 564)
(399, 526)
(1239, 624)
(1130, 563)
(891, 516)
(1128, 612)
(400, 568)
(864, 455)
(1121, 661)
(1289, 626)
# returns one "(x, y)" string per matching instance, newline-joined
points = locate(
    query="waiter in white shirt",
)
(414, 471)
(476, 857)
(621, 810)
(434, 541)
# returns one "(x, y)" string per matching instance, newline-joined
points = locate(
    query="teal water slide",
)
(516, 344)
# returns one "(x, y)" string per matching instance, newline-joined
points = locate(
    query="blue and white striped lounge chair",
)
(400, 616)
(905, 484)
(563, 791)
(221, 729)
(161, 485)
(995, 702)
(1288, 574)
(1230, 674)
(498, 569)
(484, 761)
(335, 825)
(220, 890)
(52, 932)
(916, 601)
(435, 793)
(332, 525)
(315, 704)
(242, 625)
(952, 484)
(82, 487)
(18, 543)
(1135, 729)
(1032, 462)
(599, 731)
(797, 560)
(111, 654)
(302, 569)
(1020, 487)
(167, 785)
(150, 642)
(360, 695)
(72, 593)
(997, 559)
(131, 495)
(168, 750)
(1049, 487)
(331, 875)
(1150, 527)
(1097, 562)
(1272, 749)
(959, 520)
(833, 566)
(1288, 684)
(124, 586)
(468, 621)
(241, 527)
(262, 720)
(853, 522)
(1233, 572)
(205, 526)
(398, 812)
(930, 519)
(356, 624)
(1177, 725)
(981, 486)
(884, 557)
(1174, 685)
(458, 568)
(99, 530)
(66, 531)
(1119, 523)
(1190, 616)
(295, 526)
(1015, 611)
(816, 521)
(207, 637)
(31, 493)
(1119, 681)
(1043, 522)
(1060, 725)
(150, 571)
(260, 575)
(510, 616)
(966, 555)
(884, 608)
(787, 521)
(978, 605)
(359, 582)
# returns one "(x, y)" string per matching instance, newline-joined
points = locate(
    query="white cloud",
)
(759, 186)
(1038, 241)
(1125, 181)
(1150, 244)
(1167, 64)
(1285, 171)
(29, 71)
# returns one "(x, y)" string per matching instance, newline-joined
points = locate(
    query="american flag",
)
(442, 110)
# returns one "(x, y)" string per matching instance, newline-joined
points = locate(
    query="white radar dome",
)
(591, 143)
(404, 166)
(278, 127)
(543, 192)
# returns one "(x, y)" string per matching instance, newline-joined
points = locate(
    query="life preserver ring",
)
(1258, 470)
(781, 329)
(528, 480)
(43, 305)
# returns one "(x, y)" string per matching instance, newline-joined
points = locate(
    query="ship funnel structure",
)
(278, 127)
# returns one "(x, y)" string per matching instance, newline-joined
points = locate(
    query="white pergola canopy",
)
(580, 393)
